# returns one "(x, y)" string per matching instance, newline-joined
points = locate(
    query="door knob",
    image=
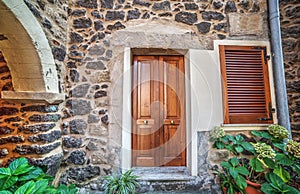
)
(145, 122)
(172, 122)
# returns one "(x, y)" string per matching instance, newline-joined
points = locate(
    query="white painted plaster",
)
(205, 98)
(126, 115)
(189, 152)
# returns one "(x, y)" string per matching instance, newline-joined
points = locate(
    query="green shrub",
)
(293, 148)
(22, 178)
(278, 132)
(269, 159)
(121, 184)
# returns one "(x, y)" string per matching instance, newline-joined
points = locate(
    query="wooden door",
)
(158, 107)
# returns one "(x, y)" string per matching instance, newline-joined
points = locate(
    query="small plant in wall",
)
(22, 178)
(125, 183)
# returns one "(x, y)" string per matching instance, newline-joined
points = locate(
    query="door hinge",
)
(266, 57)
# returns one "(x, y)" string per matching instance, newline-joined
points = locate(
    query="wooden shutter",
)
(246, 90)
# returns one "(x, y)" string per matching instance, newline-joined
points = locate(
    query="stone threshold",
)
(180, 192)
(37, 97)
(162, 173)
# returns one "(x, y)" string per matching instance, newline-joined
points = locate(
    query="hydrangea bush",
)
(269, 159)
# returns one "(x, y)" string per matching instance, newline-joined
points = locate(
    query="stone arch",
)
(26, 49)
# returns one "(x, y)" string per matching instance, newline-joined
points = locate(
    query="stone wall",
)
(28, 129)
(290, 29)
(87, 38)
(91, 120)
(5, 77)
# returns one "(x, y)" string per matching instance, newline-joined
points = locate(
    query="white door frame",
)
(191, 141)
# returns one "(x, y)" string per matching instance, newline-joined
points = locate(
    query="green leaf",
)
(17, 163)
(239, 138)
(50, 190)
(269, 162)
(72, 189)
(229, 148)
(296, 168)
(283, 174)
(247, 146)
(256, 165)
(40, 186)
(5, 192)
(240, 182)
(279, 145)
(24, 168)
(239, 149)
(4, 172)
(11, 180)
(233, 172)
(26, 188)
(226, 165)
(62, 189)
(234, 161)
(231, 138)
(231, 190)
(242, 170)
(267, 188)
(290, 190)
(283, 159)
(274, 179)
(220, 145)
(225, 138)
(32, 175)
(263, 134)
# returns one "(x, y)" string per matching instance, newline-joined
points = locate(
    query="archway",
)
(26, 49)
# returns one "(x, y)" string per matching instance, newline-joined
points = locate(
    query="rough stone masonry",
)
(290, 33)
(88, 125)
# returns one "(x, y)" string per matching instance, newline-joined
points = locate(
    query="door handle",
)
(145, 122)
(172, 122)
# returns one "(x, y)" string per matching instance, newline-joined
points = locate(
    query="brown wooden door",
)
(158, 107)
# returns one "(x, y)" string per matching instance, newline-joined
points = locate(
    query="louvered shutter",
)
(246, 90)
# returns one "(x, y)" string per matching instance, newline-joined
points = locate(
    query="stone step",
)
(207, 191)
(169, 180)
(163, 174)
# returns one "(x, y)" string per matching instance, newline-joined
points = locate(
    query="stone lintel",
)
(33, 97)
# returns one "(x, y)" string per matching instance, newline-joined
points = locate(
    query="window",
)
(245, 82)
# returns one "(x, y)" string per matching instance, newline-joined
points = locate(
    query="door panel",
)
(144, 95)
(172, 155)
(158, 107)
(144, 126)
(146, 154)
(174, 120)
